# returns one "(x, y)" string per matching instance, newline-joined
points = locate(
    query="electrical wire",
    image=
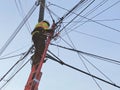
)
(74, 8)
(91, 11)
(79, 70)
(102, 20)
(19, 27)
(80, 6)
(95, 22)
(79, 55)
(22, 14)
(13, 66)
(24, 56)
(15, 51)
(111, 28)
(94, 8)
(76, 15)
(14, 75)
(51, 12)
(106, 9)
(8, 80)
(92, 20)
(2, 58)
(96, 68)
(89, 54)
(11, 69)
(97, 37)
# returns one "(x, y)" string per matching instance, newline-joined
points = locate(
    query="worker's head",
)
(44, 24)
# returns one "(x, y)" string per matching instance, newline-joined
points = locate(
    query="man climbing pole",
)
(39, 36)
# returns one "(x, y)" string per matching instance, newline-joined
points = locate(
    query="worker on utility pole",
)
(39, 36)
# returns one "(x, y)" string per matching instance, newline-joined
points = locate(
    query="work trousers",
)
(39, 43)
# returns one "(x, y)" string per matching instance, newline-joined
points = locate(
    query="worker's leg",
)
(39, 43)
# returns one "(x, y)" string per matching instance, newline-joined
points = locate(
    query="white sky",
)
(56, 76)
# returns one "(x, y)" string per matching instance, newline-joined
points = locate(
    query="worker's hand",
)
(54, 26)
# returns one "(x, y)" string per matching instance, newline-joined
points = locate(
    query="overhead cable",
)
(97, 69)
(24, 56)
(13, 75)
(19, 27)
(89, 54)
(79, 70)
(77, 15)
(90, 19)
(22, 14)
(81, 58)
(11, 56)
(99, 22)
(97, 37)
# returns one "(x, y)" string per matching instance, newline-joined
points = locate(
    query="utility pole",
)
(41, 11)
(35, 74)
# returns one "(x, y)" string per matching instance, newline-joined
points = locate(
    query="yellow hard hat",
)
(44, 24)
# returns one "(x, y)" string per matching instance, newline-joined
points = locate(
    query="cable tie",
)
(36, 80)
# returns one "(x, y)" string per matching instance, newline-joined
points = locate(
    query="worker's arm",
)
(52, 29)
(39, 29)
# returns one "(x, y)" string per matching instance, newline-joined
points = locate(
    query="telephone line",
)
(89, 54)
(19, 27)
(25, 54)
(11, 56)
(14, 75)
(79, 70)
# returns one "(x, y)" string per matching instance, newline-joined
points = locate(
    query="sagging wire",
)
(61, 19)
(89, 54)
(90, 20)
(19, 27)
(56, 33)
(77, 15)
(2, 58)
(91, 11)
(64, 16)
(57, 24)
(79, 70)
(49, 11)
(21, 59)
(111, 28)
(80, 56)
(7, 81)
(98, 85)
(22, 14)
(74, 8)
(95, 8)
(52, 12)
(100, 20)
(15, 51)
(79, 6)
(11, 68)
(97, 68)
(106, 9)
(93, 36)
